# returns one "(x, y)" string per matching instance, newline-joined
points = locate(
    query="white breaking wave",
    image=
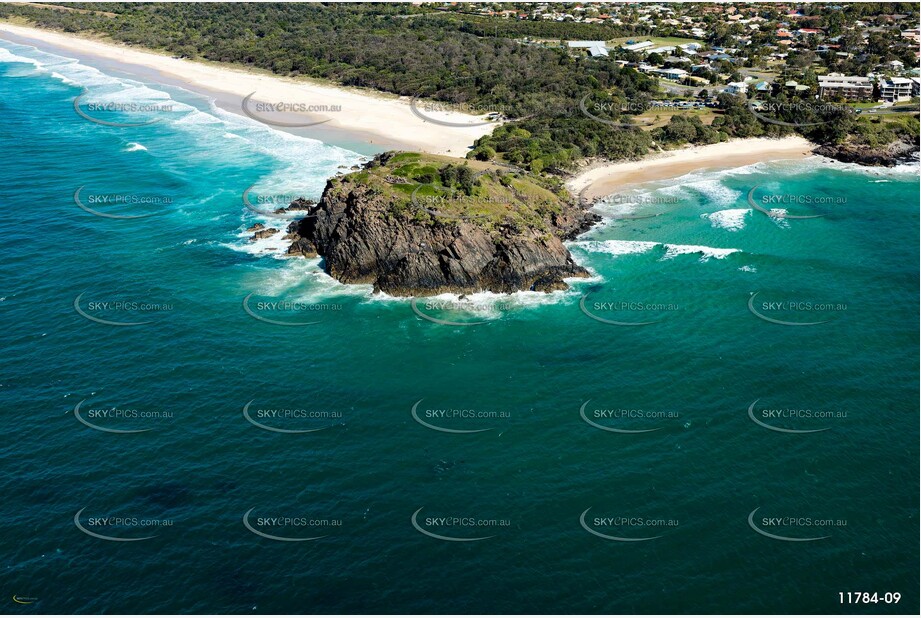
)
(909, 168)
(274, 245)
(709, 183)
(715, 192)
(778, 216)
(626, 247)
(705, 252)
(615, 247)
(732, 219)
(488, 305)
(300, 166)
(8, 56)
(301, 280)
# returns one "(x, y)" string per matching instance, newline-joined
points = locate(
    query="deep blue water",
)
(196, 465)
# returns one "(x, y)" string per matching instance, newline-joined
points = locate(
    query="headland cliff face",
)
(418, 225)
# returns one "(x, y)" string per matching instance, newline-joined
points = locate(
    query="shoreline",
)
(369, 120)
(603, 178)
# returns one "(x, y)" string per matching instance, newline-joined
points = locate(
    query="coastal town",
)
(811, 51)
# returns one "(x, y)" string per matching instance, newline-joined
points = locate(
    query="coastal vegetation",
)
(517, 68)
(431, 188)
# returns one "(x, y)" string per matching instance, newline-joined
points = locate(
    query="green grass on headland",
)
(446, 189)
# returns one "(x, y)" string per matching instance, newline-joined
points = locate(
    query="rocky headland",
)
(900, 150)
(417, 225)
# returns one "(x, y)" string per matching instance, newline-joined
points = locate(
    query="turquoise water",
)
(521, 371)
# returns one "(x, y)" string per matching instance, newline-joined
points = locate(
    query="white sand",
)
(604, 179)
(370, 116)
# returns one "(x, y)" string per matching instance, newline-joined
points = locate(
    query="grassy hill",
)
(444, 189)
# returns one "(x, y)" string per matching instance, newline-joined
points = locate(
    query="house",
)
(895, 89)
(852, 87)
(672, 73)
(916, 86)
(736, 88)
(595, 48)
(716, 56)
(636, 46)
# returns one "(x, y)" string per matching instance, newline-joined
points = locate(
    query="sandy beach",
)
(603, 179)
(373, 121)
(377, 120)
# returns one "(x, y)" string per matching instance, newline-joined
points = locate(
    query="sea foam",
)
(627, 247)
(732, 219)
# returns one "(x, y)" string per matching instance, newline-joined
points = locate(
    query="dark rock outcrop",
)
(888, 155)
(263, 233)
(299, 205)
(364, 239)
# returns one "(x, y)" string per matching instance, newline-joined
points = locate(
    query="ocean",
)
(723, 418)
